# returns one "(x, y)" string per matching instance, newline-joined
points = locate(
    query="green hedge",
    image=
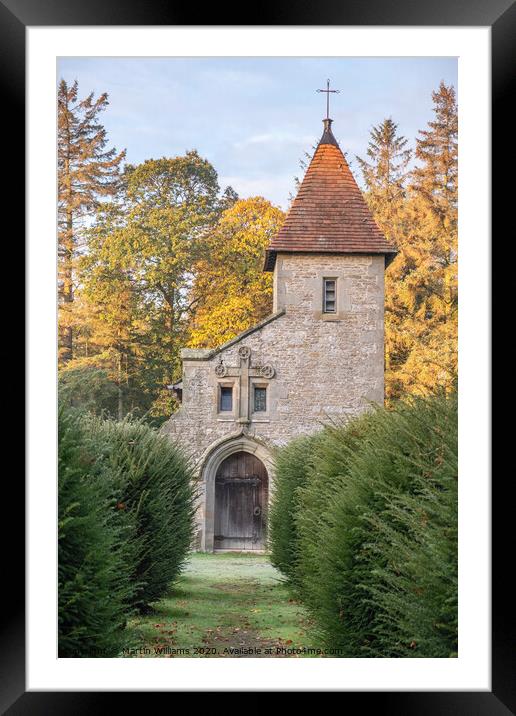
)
(94, 585)
(152, 481)
(376, 522)
(330, 462)
(126, 506)
(292, 465)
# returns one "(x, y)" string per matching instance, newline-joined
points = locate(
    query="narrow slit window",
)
(260, 399)
(329, 295)
(226, 399)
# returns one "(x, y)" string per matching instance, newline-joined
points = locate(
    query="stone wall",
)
(325, 365)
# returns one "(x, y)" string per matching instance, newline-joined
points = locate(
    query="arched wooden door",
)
(241, 492)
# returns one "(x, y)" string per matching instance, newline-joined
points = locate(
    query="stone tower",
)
(320, 354)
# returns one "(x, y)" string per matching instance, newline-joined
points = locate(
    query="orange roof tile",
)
(329, 213)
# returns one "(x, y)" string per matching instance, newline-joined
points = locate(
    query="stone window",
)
(329, 295)
(259, 399)
(226, 399)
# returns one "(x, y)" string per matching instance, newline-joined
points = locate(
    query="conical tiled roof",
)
(329, 213)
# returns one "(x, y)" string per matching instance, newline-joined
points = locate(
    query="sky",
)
(254, 118)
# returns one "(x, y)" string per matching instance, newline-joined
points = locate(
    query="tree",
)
(87, 389)
(109, 320)
(230, 291)
(136, 274)
(417, 212)
(435, 189)
(386, 176)
(436, 179)
(386, 173)
(88, 173)
(171, 205)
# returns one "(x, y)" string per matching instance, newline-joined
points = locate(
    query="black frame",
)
(15, 15)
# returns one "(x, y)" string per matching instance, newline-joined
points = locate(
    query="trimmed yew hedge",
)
(94, 587)
(126, 507)
(153, 484)
(374, 530)
(292, 465)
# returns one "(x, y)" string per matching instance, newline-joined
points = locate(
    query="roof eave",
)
(270, 255)
(204, 354)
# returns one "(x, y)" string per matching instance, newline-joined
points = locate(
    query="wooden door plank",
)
(241, 485)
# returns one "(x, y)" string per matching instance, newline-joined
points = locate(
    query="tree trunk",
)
(120, 389)
(67, 246)
(67, 291)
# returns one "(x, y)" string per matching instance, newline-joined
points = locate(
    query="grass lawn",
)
(225, 605)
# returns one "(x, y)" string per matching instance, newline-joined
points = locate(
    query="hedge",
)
(94, 585)
(375, 518)
(292, 464)
(152, 481)
(336, 447)
(126, 506)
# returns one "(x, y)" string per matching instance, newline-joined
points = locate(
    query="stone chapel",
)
(320, 354)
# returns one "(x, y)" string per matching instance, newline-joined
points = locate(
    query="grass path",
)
(225, 605)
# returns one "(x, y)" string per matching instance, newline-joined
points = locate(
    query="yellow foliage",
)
(420, 302)
(231, 292)
(421, 283)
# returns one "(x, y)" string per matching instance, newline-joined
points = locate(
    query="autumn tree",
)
(137, 273)
(435, 188)
(110, 319)
(88, 173)
(386, 172)
(436, 178)
(231, 292)
(416, 209)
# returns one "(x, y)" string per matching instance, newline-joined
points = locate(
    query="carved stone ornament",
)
(244, 352)
(267, 371)
(221, 370)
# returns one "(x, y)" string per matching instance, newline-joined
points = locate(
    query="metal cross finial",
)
(328, 92)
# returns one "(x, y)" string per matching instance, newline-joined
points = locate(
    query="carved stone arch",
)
(213, 457)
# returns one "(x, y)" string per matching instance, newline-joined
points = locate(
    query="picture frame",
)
(500, 16)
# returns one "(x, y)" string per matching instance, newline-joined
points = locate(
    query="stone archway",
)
(213, 460)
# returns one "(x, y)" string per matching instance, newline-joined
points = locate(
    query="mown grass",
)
(225, 605)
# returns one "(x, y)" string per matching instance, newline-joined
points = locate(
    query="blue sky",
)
(253, 118)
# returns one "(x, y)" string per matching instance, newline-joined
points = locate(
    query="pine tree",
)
(386, 172)
(88, 173)
(435, 188)
(436, 180)
(386, 176)
(417, 212)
